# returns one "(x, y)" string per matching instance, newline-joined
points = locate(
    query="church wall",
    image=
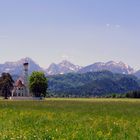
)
(19, 91)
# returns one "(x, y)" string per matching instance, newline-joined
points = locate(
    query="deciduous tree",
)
(38, 84)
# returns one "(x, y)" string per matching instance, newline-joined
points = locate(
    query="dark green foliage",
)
(113, 95)
(133, 94)
(91, 84)
(38, 84)
(6, 84)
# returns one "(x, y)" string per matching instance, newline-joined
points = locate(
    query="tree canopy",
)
(38, 84)
(6, 84)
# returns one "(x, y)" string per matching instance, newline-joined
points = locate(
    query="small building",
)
(19, 89)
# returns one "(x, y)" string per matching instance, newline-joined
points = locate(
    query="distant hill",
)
(92, 84)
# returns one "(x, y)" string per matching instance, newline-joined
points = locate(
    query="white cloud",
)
(108, 25)
(113, 26)
(117, 26)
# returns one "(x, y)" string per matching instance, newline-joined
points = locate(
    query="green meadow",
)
(70, 119)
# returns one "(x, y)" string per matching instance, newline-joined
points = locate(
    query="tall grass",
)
(79, 119)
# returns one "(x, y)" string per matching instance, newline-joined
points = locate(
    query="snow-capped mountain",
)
(115, 67)
(62, 68)
(16, 68)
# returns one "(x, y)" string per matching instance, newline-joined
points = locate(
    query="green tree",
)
(6, 84)
(114, 95)
(38, 84)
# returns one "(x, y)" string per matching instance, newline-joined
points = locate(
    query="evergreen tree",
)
(6, 84)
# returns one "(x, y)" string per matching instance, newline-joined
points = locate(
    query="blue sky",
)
(82, 31)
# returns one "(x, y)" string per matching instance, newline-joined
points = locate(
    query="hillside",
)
(92, 84)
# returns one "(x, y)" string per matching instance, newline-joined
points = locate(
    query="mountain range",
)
(16, 68)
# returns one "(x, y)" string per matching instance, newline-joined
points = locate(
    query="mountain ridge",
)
(65, 66)
(115, 67)
(62, 68)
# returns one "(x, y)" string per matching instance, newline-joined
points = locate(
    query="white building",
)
(21, 88)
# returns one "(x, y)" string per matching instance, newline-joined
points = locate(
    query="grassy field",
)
(79, 119)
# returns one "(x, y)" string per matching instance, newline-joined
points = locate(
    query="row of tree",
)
(131, 94)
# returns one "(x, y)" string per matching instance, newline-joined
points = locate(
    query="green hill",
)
(92, 84)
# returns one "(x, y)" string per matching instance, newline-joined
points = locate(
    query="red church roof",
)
(19, 83)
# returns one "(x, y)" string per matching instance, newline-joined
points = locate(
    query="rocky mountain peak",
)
(61, 68)
(115, 67)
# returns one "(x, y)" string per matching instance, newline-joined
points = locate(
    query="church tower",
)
(26, 83)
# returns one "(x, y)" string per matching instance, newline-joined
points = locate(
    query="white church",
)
(21, 86)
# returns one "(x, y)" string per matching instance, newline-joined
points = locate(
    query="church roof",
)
(19, 83)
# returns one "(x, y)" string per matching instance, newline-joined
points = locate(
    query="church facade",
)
(19, 89)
